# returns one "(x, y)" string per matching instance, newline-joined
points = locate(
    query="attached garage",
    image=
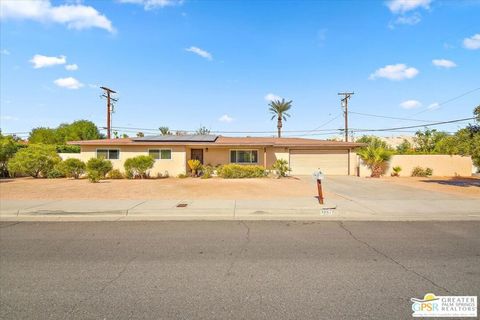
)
(330, 162)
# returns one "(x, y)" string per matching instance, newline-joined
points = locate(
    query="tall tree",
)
(426, 141)
(45, 136)
(77, 130)
(279, 110)
(165, 131)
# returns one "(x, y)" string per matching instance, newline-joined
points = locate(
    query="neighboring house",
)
(172, 152)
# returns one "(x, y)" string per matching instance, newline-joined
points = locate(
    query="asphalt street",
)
(232, 269)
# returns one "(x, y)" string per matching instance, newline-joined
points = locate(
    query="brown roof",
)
(226, 141)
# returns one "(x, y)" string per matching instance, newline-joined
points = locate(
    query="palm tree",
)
(376, 158)
(279, 110)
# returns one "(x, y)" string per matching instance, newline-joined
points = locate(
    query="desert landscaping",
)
(171, 188)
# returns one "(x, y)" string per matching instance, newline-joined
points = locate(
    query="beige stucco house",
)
(172, 152)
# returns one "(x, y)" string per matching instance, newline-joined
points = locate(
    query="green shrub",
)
(207, 172)
(138, 166)
(237, 171)
(93, 176)
(8, 148)
(428, 172)
(72, 168)
(56, 172)
(66, 148)
(35, 161)
(421, 172)
(281, 166)
(396, 171)
(115, 174)
(182, 176)
(98, 167)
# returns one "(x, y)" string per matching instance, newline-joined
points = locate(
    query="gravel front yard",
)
(171, 188)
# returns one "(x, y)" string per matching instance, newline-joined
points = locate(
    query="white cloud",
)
(71, 67)
(402, 6)
(398, 71)
(410, 104)
(444, 63)
(202, 53)
(41, 61)
(76, 16)
(409, 19)
(5, 52)
(472, 43)
(225, 118)
(272, 97)
(69, 83)
(153, 4)
(433, 106)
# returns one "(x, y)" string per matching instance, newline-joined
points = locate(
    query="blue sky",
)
(188, 63)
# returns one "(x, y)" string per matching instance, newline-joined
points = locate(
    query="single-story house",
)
(172, 152)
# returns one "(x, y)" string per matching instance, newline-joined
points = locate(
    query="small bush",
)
(115, 174)
(56, 172)
(93, 176)
(73, 168)
(281, 167)
(421, 172)
(138, 166)
(429, 172)
(97, 168)
(207, 172)
(237, 171)
(182, 176)
(194, 165)
(396, 171)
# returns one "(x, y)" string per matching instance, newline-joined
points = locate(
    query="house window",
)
(243, 156)
(110, 154)
(163, 154)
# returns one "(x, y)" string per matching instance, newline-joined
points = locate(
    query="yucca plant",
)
(194, 165)
(376, 159)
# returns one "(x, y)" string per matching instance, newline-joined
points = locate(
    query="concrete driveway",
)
(386, 200)
(374, 189)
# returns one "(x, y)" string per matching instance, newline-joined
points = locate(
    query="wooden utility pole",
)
(346, 96)
(107, 95)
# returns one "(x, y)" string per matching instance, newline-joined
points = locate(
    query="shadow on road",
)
(458, 182)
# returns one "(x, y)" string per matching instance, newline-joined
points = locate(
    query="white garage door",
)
(330, 162)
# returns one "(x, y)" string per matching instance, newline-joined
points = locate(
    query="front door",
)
(197, 154)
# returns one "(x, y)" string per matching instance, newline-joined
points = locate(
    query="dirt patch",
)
(466, 186)
(171, 188)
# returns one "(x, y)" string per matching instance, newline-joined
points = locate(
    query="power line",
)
(450, 100)
(322, 125)
(388, 117)
(418, 126)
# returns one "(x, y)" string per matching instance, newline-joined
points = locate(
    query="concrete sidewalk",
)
(282, 209)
